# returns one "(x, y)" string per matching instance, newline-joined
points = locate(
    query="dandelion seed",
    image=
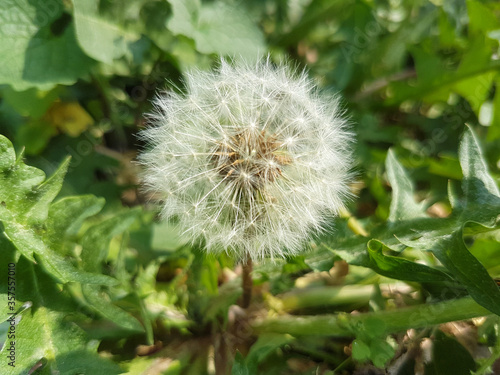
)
(250, 161)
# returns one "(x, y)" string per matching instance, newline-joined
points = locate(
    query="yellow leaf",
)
(70, 118)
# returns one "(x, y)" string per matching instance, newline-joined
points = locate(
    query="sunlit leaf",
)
(31, 54)
(216, 28)
(102, 39)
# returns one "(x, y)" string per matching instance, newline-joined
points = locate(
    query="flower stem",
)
(393, 321)
(247, 282)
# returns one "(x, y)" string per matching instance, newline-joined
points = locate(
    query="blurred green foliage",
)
(77, 77)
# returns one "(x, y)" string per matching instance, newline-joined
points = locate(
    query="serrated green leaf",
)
(480, 204)
(95, 244)
(95, 241)
(7, 155)
(8, 256)
(31, 54)
(403, 205)
(216, 28)
(25, 199)
(454, 255)
(44, 194)
(478, 185)
(44, 334)
(476, 210)
(67, 215)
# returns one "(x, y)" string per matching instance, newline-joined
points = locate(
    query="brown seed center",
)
(251, 158)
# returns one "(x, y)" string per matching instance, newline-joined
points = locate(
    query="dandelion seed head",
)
(250, 161)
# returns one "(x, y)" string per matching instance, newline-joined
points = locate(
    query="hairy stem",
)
(247, 282)
(393, 321)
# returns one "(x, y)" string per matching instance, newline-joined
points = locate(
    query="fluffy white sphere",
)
(250, 160)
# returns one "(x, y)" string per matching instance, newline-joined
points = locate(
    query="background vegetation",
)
(102, 287)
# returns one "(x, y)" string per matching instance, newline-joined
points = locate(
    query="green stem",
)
(342, 365)
(325, 296)
(393, 321)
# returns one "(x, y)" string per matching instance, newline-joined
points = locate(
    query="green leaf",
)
(9, 255)
(266, 344)
(95, 241)
(43, 333)
(101, 39)
(481, 17)
(472, 79)
(32, 102)
(99, 301)
(360, 351)
(454, 255)
(381, 352)
(154, 17)
(316, 12)
(67, 215)
(216, 28)
(476, 210)
(480, 204)
(400, 268)
(239, 366)
(95, 245)
(36, 135)
(494, 130)
(478, 185)
(25, 199)
(43, 194)
(166, 237)
(449, 357)
(475, 93)
(403, 205)
(32, 55)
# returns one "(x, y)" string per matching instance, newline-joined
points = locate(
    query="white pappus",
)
(250, 160)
